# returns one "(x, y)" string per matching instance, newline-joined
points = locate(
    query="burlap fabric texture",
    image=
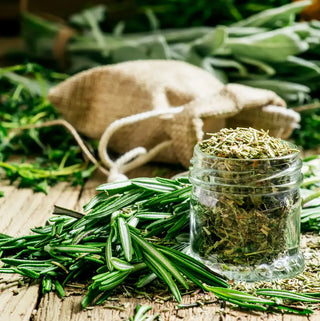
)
(159, 109)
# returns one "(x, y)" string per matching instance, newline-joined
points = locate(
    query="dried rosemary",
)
(246, 204)
(245, 143)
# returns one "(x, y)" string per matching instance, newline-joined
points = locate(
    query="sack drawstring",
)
(128, 161)
(138, 155)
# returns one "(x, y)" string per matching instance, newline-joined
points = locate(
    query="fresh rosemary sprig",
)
(140, 314)
(55, 154)
(251, 302)
(111, 240)
(112, 245)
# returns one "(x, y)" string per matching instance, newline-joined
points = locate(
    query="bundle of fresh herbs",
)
(24, 103)
(132, 232)
(113, 242)
(139, 15)
(268, 50)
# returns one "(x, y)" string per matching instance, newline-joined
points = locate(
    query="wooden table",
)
(21, 209)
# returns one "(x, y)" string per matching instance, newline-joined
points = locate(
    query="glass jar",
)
(245, 215)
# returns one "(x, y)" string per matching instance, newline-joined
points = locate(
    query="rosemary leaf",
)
(125, 238)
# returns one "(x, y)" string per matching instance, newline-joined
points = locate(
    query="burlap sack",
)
(163, 108)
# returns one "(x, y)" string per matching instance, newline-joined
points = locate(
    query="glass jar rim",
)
(284, 157)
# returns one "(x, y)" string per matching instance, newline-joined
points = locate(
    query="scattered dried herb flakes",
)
(245, 143)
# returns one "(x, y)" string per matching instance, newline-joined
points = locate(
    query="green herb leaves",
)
(111, 240)
(251, 302)
(125, 238)
(23, 91)
(269, 49)
(110, 245)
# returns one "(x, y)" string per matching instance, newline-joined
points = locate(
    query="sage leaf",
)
(263, 68)
(228, 63)
(211, 42)
(270, 17)
(273, 46)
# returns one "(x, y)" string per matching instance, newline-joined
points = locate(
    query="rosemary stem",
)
(311, 197)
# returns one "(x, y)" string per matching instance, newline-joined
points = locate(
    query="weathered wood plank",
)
(20, 210)
(290, 317)
(17, 303)
(315, 316)
(53, 308)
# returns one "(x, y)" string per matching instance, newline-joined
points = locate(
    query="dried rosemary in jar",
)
(245, 205)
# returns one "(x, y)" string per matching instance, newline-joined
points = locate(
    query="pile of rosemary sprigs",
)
(23, 92)
(132, 233)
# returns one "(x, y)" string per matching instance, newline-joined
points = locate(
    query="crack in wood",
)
(37, 304)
